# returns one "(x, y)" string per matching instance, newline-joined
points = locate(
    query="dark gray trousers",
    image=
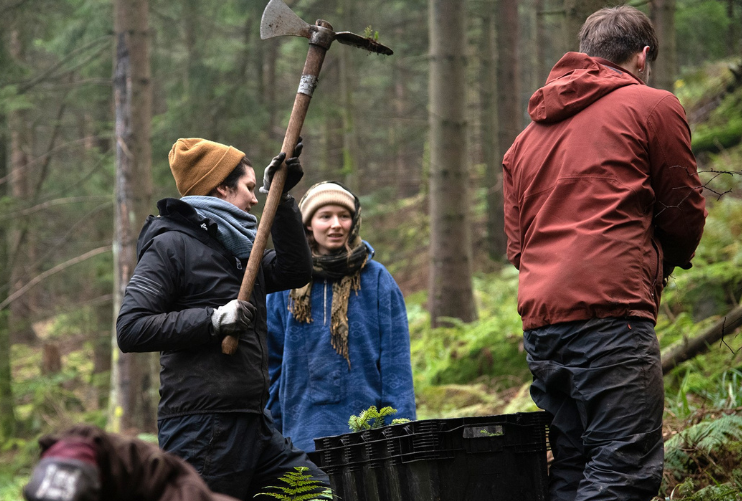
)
(237, 454)
(601, 379)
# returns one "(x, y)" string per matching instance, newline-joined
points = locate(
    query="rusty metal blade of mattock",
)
(279, 20)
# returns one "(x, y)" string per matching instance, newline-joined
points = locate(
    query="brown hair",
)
(617, 33)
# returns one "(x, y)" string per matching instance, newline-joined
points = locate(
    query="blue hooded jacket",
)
(312, 391)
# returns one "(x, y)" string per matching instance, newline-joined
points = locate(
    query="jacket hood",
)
(575, 82)
(175, 215)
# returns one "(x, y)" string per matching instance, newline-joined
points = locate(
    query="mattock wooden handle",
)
(312, 67)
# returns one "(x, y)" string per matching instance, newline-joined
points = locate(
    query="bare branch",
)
(723, 332)
(41, 158)
(25, 87)
(37, 190)
(60, 267)
(59, 242)
(52, 203)
(716, 174)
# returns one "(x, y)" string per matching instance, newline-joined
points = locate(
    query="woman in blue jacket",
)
(341, 343)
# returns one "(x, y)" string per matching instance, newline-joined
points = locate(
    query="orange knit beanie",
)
(199, 165)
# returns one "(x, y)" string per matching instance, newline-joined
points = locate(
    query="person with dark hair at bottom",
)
(84, 463)
(602, 202)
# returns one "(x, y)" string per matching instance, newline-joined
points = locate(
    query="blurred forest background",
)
(93, 93)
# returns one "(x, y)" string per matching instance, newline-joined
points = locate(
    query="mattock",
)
(279, 20)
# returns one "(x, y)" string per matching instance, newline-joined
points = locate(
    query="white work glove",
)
(233, 318)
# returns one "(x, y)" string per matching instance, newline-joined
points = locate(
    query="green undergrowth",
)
(702, 462)
(703, 396)
(712, 97)
(45, 404)
(462, 369)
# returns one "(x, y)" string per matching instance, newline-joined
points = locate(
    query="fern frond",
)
(720, 432)
(301, 487)
(702, 438)
(723, 492)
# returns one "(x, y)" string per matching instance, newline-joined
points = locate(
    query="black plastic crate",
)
(490, 457)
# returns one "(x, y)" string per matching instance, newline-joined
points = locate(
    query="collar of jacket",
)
(176, 215)
(178, 209)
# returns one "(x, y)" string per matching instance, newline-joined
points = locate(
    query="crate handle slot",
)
(487, 431)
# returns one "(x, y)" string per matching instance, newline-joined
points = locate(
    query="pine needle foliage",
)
(300, 486)
(372, 418)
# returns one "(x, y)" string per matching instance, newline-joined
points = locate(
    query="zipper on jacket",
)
(324, 310)
(239, 265)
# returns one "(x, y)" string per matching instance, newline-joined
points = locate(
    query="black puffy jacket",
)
(183, 273)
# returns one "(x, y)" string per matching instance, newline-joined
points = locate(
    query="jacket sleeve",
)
(289, 264)
(680, 209)
(397, 387)
(511, 211)
(147, 320)
(276, 304)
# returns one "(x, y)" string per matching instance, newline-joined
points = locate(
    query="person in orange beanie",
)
(181, 302)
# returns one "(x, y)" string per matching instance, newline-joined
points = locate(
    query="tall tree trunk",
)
(663, 69)
(132, 386)
(7, 407)
(190, 23)
(576, 12)
(532, 74)
(407, 176)
(269, 87)
(351, 165)
(333, 141)
(20, 191)
(396, 131)
(509, 111)
(102, 353)
(541, 40)
(450, 288)
(496, 241)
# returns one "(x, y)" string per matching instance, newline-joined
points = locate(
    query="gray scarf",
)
(236, 228)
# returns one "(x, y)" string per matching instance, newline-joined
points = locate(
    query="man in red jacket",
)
(602, 202)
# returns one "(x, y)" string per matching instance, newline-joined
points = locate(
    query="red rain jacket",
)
(601, 193)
